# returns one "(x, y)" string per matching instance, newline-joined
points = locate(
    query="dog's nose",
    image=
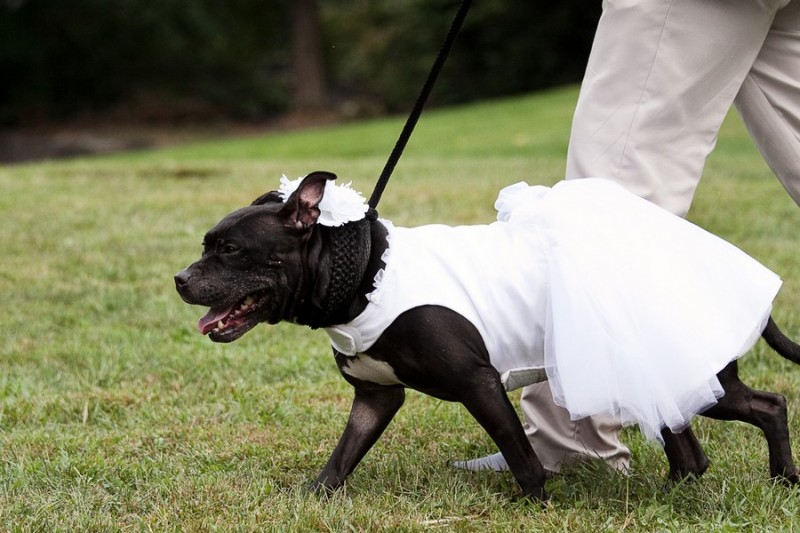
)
(182, 279)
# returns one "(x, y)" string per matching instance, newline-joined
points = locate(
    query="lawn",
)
(115, 414)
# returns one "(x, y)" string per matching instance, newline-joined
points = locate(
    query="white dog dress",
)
(624, 307)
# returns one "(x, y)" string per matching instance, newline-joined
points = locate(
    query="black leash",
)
(416, 111)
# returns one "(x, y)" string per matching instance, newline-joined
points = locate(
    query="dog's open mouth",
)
(225, 324)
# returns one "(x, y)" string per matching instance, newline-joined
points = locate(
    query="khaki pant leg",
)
(769, 99)
(559, 441)
(660, 79)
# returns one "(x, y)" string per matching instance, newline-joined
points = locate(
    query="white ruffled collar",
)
(340, 204)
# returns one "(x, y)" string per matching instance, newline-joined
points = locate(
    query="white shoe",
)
(495, 462)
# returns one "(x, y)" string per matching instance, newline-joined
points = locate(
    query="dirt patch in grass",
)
(87, 137)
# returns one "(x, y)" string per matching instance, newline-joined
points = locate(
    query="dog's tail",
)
(779, 342)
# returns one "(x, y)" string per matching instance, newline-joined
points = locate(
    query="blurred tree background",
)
(187, 60)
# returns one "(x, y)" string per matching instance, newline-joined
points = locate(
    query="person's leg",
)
(660, 79)
(560, 441)
(769, 99)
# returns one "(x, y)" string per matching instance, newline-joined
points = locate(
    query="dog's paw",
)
(790, 480)
(323, 488)
(536, 496)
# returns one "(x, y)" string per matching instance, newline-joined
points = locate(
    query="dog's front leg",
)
(488, 403)
(373, 408)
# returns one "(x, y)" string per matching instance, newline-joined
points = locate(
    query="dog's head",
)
(255, 262)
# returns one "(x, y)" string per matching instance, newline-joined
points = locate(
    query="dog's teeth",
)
(248, 301)
(220, 325)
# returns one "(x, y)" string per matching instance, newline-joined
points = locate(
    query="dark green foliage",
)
(61, 57)
(384, 49)
(200, 59)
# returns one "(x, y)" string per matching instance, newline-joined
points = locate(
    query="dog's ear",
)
(302, 207)
(268, 198)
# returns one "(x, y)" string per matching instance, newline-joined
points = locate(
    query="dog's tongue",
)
(209, 320)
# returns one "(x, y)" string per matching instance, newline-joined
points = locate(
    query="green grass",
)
(116, 415)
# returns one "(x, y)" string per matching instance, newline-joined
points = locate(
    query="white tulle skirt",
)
(645, 307)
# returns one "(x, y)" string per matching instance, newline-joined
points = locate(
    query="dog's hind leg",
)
(765, 410)
(684, 453)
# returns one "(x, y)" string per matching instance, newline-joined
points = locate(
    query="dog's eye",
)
(229, 248)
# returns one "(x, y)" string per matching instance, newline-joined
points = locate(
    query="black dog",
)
(272, 262)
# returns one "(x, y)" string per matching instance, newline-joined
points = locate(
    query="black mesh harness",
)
(349, 248)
